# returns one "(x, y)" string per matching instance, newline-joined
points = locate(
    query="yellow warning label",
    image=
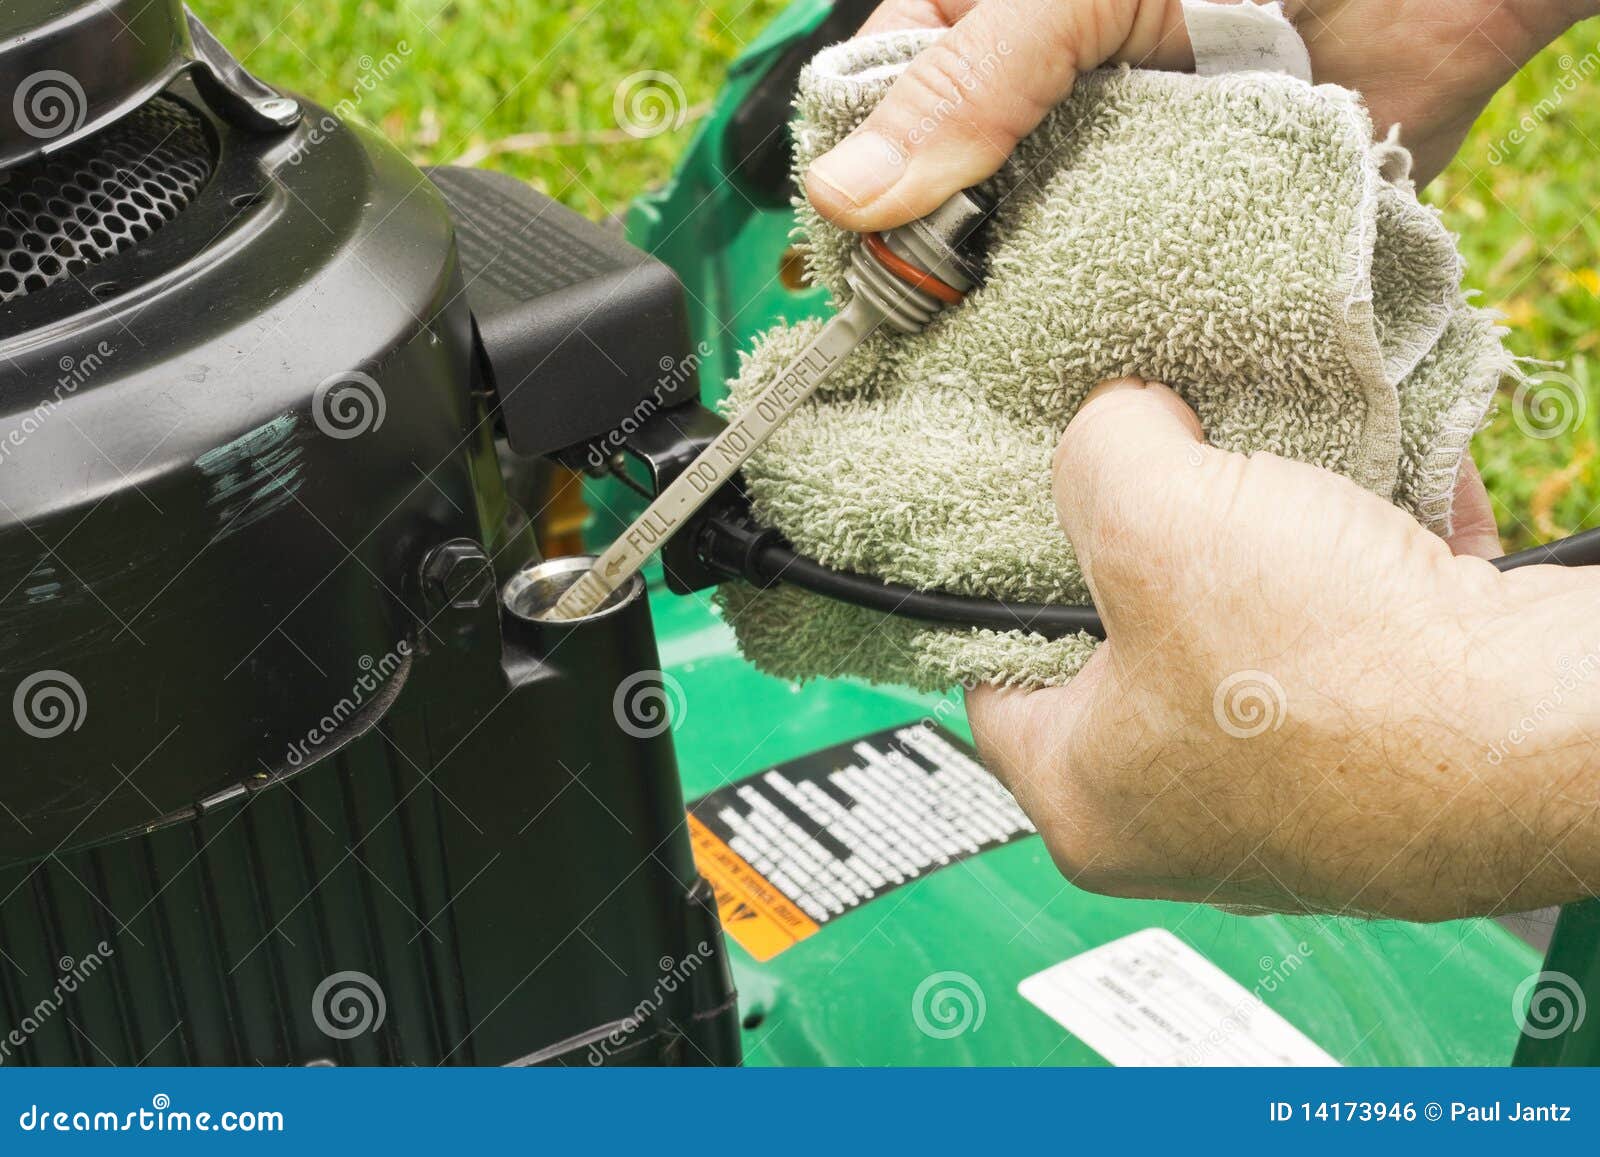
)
(755, 913)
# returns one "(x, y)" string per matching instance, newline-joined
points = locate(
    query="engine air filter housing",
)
(62, 214)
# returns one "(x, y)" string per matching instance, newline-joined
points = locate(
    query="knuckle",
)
(1088, 787)
(1094, 864)
(946, 71)
(987, 717)
(1185, 506)
(944, 92)
(1105, 880)
(1139, 541)
(1075, 859)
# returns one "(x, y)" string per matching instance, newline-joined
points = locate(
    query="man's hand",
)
(1306, 701)
(963, 105)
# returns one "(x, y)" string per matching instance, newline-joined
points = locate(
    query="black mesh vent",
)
(59, 215)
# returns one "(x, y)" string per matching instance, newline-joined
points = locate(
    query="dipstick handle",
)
(719, 461)
(901, 279)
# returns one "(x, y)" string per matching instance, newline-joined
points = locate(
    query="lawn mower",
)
(299, 771)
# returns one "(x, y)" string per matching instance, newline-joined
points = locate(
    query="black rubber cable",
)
(1581, 549)
(775, 562)
(768, 562)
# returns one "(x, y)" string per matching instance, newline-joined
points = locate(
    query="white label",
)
(1149, 1000)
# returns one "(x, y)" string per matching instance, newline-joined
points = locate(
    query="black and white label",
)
(833, 829)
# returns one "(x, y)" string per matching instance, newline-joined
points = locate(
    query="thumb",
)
(1113, 482)
(1474, 531)
(957, 112)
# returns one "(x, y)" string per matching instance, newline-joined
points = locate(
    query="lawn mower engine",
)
(294, 773)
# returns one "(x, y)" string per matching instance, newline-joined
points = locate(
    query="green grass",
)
(476, 72)
(1532, 242)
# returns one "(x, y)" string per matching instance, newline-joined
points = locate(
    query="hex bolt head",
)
(457, 574)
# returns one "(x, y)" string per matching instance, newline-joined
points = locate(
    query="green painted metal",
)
(1367, 992)
(725, 247)
(1370, 993)
(1567, 1032)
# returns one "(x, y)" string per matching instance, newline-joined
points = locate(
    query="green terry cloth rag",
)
(1239, 237)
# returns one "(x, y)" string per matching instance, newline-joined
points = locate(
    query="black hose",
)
(775, 562)
(1582, 549)
(758, 556)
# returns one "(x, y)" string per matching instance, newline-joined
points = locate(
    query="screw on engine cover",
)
(279, 108)
(457, 574)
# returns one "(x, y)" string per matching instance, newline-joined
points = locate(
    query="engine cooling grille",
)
(62, 214)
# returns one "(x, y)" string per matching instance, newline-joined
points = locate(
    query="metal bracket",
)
(231, 90)
(69, 68)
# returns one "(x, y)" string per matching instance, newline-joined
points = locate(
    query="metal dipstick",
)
(901, 278)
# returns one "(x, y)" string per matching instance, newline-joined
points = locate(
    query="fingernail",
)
(1113, 386)
(860, 168)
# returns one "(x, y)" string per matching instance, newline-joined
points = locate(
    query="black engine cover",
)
(267, 726)
(228, 447)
